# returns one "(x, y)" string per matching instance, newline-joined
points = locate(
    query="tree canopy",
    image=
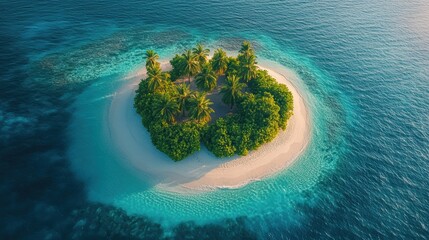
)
(219, 61)
(246, 49)
(206, 80)
(200, 109)
(190, 65)
(179, 119)
(232, 90)
(201, 54)
(184, 93)
(151, 59)
(156, 79)
(247, 68)
(165, 109)
(177, 67)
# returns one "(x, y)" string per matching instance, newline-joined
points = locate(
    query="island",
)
(132, 142)
(226, 103)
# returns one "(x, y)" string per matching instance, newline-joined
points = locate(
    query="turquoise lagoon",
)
(362, 66)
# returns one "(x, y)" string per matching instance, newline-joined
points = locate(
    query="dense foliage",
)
(283, 97)
(176, 140)
(255, 123)
(179, 119)
(159, 109)
(177, 71)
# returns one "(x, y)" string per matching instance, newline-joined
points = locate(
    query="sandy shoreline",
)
(202, 170)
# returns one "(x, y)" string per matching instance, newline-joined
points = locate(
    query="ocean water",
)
(364, 67)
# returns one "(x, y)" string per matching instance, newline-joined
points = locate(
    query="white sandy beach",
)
(202, 170)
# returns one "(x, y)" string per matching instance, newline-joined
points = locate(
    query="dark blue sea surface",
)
(365, 65)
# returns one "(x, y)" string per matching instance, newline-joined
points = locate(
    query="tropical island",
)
(227, 103)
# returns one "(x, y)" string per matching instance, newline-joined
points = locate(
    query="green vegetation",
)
(200, 109)
(190, 65)
(206, 80)
(219, 61)
(179, 118)
(201, 54)
(232, 90)
(151, 59)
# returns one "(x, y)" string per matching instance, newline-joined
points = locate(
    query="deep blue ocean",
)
(364, 66)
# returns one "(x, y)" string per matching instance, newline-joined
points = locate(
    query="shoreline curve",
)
(202, 171)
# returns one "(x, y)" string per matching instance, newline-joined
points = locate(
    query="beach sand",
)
(202, 171)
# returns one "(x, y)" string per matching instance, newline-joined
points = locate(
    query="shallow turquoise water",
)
(364, 66)
(111, 182)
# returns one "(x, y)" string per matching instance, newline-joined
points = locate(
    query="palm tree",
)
(166, 108)
(155, 79)
(206, 79)
(201, 53)
(190, 64)
(220, 61)
(231, 90)
(183, 95)
(200, 109)
(151, 59)
(248, 69)
(233, 66)
(246, 49)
